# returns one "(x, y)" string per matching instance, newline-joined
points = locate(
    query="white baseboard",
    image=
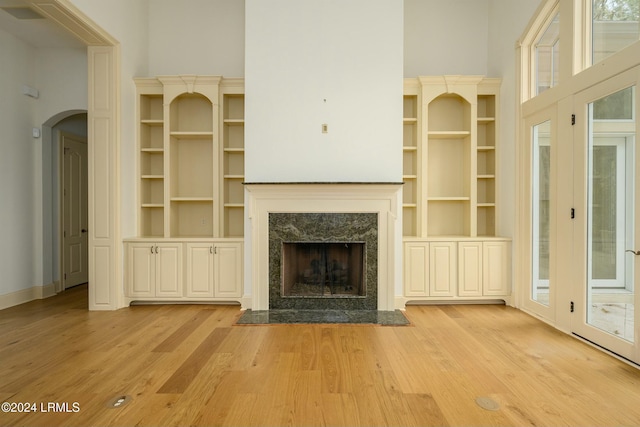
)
(26, 295)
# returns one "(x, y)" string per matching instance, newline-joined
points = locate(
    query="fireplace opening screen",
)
(323, 269)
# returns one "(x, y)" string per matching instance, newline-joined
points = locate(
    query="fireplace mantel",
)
(384, 199)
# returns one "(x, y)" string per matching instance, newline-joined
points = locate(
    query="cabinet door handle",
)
(210, 249)
(215, 250)
(156, 249)
(151, 248)
(636, 253)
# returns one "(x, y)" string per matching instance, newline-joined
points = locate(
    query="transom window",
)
(547, 50)
(614, 26)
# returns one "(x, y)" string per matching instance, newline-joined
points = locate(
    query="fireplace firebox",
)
(323, 260)
(323, 269)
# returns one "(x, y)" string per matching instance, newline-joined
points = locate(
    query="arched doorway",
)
(71, 123)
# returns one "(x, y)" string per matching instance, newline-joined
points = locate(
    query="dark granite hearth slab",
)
(272, 317)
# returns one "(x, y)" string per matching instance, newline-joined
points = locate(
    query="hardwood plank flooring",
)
(190, 365)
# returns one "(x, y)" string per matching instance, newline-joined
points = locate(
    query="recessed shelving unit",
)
(191, 156)
(486, 163)
(450, 207)
(448, 166)
(151, 160)
(410, 161)
(233, 163)
(191, 148)
(449, 156)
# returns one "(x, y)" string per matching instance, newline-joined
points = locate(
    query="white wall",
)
(196, 37)
(445, 37)
(20, 264)
(314, 62)
(62, 80)
(508, 19)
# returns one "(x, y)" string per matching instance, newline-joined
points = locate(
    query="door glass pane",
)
(541, 144)
(614, 26)
(611, 217)
(547, 50)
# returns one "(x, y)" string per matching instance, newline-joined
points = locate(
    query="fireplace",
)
(331, 214)
(323, 260)
(323, 269)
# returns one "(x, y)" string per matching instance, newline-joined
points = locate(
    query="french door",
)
(607, 216)
(541, 185)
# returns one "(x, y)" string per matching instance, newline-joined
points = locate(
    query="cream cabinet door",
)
(416, 269)
(228, 270)
(442, 269)
(199, 270)
(153, 270)
(168, 259)
(470, 269)
(496, 268)
(140, 268)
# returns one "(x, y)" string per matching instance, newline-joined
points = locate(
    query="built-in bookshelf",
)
(449, 156)
(191, 166)
(151, 158)
(486, 162)
(450, 206)
(448, 150)
(191, 157)
(233, 163)
(410, 164)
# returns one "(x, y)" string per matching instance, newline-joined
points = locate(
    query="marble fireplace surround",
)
(381, 199)
(325, 227)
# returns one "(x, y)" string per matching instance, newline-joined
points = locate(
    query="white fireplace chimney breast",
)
(319, 65)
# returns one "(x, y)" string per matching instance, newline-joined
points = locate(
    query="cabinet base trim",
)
(457, 302)
(186, 302)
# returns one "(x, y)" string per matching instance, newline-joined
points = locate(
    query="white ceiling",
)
(40, 33)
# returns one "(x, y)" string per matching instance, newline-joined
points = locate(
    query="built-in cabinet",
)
(154, 269)
(446, 270)
(450, 154)
(214, 270)
(184, 270)
(190, 132)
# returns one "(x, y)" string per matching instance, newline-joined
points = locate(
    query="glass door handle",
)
(636, 253)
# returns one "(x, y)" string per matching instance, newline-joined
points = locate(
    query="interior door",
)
(74, 211)
(608, 216)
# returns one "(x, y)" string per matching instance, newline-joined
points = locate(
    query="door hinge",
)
(572, 308)
(573, 119)
(573, 213)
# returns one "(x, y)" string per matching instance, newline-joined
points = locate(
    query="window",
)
(617, 106)
(541, 214)
(614, 25)
(547, 50)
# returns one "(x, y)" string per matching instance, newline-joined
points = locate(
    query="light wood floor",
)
(189, 365)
